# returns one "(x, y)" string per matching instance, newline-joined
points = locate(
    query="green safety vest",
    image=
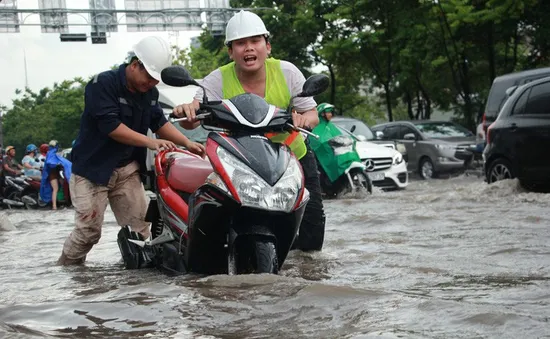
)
(277, 94)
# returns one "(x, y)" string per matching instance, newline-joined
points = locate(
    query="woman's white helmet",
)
(244, 24)
(154, 53)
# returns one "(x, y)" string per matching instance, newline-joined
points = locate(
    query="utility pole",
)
(1, 132)
(26, 73)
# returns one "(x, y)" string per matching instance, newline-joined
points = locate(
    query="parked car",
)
(433, 147)
(518, 139)
(503, 87)
(364, 133)
(386, 167)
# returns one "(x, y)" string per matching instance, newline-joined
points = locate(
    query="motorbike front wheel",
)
(255, 256)
(361, 183)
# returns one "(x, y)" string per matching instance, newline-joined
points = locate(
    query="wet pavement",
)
(451, 258)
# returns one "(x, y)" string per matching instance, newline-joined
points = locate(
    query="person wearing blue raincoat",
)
(49, 185)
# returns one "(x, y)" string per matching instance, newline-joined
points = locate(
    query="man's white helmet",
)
(154, 52)
(244, 24)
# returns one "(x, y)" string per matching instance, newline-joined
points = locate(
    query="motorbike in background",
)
(8, 194)
(11, 191)
(342, 171)
(239, 210)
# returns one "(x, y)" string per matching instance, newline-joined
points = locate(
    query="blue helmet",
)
(31, 148)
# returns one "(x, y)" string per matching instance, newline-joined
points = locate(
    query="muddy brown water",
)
(449, 258)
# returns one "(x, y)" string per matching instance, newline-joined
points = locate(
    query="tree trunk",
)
(332, 84)
(388, 100)
(428, 106)
(418, 106)
(409, 105)
(491, 52)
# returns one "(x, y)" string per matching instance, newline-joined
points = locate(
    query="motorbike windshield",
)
(251, 106)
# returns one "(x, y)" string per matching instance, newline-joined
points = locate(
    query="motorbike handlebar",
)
(201, 115)
(305, 131)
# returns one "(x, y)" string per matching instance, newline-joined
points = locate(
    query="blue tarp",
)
(52, 161)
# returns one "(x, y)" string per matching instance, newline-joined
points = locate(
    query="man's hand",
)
(302, 120)
(187, 110)
(196, 148)
(158, 144)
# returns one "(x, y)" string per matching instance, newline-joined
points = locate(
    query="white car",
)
(385, 166)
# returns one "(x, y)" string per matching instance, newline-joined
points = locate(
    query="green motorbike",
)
(341, 169)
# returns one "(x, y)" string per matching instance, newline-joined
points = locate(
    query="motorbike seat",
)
(187, 173)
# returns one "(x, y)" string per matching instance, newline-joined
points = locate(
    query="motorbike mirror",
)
(314, 85)
(177, 76)
(353, 128)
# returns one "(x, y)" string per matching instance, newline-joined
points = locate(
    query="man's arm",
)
(213, 84)
(10, 170)
(166, 130)
(169, 132)
(104, 106)
(127, 136)
(306, 108)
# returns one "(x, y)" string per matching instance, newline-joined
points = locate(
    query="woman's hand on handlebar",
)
(187, 111)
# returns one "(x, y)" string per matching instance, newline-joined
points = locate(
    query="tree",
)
(51, 113)
(202, 60)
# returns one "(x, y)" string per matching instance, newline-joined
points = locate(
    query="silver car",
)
(433, 147)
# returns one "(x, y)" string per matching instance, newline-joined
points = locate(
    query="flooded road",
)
(449, 258)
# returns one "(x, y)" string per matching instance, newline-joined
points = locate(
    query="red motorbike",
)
(236, 212)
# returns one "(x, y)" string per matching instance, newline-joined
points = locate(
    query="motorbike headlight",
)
(253, 191)
(397, 158)
(214, 179)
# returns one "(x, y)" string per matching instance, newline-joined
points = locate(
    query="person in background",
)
(480, 138)
(31, 167)
(10, 166)
(43, 151)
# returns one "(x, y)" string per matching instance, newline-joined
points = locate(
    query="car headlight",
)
(445, 147)
(400, 147)
(253, 191)
(397, 159)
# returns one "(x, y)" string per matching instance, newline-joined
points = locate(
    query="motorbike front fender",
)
(356, 164)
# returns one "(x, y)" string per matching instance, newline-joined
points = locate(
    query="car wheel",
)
(426, 169)
(500, 169)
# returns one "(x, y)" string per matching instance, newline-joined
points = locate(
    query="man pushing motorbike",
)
(109, 152)
(254, 71)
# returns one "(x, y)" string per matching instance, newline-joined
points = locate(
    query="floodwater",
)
(449, 258)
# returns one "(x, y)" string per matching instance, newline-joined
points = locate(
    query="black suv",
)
(502, 88)
(519, 138)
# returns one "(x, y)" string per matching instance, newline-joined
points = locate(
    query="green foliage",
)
(52, 113)
(387, 59)
(200, 61)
